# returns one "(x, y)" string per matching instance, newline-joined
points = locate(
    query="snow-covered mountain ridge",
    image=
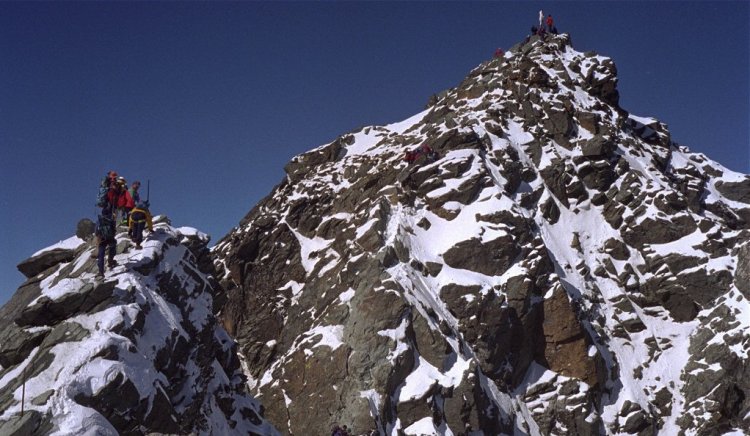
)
(139, 352)
(563, 267)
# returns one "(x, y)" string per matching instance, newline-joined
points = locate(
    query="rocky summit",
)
(138, 352)
(562, 266)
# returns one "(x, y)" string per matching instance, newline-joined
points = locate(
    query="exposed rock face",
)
(563, 267)
(41, 262)
(136, 353)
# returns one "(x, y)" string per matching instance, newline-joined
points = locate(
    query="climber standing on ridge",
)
(107, 197)
(105, 236)
(541, 18)
(499, 53)
(123, 200)
(140, 218)
(134, 194)
(551, 25)
(134, 199)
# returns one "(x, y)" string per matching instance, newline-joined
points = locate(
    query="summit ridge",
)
(562, 267)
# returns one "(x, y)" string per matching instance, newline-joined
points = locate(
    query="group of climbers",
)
(542, 29)
(123, 205)
(545, 26)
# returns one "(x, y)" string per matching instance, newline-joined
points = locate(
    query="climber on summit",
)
(541, 18)
(140, 218)
(105, 236)
(499, 53)
(551, 25)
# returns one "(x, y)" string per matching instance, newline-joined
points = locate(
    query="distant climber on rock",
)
(411, 156)
(541, 18)
(140, 218)
(499, 53)
(105, 237)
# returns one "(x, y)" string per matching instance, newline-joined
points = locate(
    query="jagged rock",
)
(47, 259)
(602, 82)
(598, 146)
(297, 168)
(589, 121)
(566, 350)
(617, 249)
(659, 231)
(742, 276)
(455, 296)
(735, 191)
(50, 312)
(497, 255)
(31, 423)
(16, 344)
(550, 211)
(597, 175)
(460, 405)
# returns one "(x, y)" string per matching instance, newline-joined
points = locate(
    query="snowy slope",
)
(564, 267)
(137, 352)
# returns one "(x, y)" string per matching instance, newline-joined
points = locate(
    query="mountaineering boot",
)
(111, 263)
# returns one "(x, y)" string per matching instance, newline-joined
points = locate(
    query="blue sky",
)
(210, 100)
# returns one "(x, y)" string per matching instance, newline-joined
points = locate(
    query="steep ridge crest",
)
(139, 352)
(563, 267)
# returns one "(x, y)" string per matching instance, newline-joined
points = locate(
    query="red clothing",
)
(549, 22)
(129, 201)
(125, 199)
(118, 198)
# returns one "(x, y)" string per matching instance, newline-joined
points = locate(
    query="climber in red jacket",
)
(124, 200)
(551, 25)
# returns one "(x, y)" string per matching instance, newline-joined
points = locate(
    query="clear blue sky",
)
(210, 100)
